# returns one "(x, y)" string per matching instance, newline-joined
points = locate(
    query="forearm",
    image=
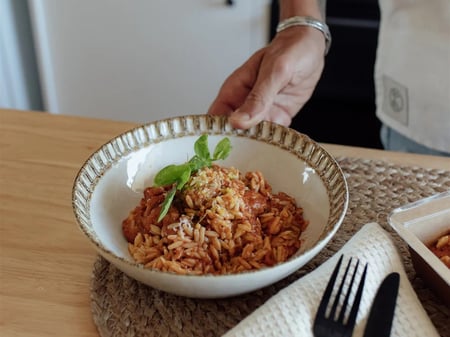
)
(313, 8)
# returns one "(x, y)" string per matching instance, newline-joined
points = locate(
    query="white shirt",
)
(412, 70)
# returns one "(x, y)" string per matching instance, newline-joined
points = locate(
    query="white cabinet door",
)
(141, 60)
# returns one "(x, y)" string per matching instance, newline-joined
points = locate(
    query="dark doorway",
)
(342, 109)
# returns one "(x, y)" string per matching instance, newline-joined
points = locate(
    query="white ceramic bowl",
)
(419, 224)
(110, 184)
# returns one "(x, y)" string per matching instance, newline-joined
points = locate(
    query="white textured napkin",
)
(291, 311)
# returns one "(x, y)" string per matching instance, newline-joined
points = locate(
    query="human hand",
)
(275, 82)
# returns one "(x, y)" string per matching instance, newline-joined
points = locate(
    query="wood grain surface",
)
(45, 261)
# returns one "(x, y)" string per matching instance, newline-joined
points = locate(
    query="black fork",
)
(327, 324)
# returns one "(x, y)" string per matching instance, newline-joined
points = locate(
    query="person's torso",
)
(412, 72)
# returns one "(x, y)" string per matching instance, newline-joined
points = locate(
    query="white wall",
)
(19, 84)
(141, 60)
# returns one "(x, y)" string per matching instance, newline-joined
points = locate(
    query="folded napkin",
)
(291, 311)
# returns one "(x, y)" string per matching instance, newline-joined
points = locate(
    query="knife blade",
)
(381, 314)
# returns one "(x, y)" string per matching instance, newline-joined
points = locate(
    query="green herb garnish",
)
(180, 174)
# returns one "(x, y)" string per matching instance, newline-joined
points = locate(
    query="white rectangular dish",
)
(419, 224)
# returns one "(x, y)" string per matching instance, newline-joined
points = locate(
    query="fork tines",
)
(326, 323)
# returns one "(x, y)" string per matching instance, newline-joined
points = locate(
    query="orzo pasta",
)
(441, 248)
(222, 221)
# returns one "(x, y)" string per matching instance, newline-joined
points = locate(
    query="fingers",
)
(220, 108)
(254, 110)
(236, 87)
(243, 120)
(231, 95)
(259, 104)
(275, 82)
(256, 106)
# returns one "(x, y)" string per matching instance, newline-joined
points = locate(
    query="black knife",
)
(381, 313)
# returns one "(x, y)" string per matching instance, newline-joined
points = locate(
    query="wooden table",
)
(46, 263)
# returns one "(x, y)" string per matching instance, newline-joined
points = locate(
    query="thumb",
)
(256, 106)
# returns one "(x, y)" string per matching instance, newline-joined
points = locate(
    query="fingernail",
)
(240, 116)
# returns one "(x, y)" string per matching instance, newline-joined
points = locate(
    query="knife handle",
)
(381, 314)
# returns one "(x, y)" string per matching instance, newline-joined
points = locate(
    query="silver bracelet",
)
(307, 21)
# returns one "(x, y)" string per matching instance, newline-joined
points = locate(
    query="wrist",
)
(307, 21)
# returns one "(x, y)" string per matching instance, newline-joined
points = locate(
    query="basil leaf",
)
(184, 176)
(170, 174)
(196, 163)
(167, 202)
(201, 147)
(166, 176)
(179, 175)
(222, 150)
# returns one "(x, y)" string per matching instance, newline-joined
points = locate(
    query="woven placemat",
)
(122, 306)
